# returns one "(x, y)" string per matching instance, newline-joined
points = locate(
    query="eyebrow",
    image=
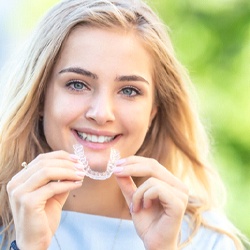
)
(84, 72)
(79, 71)
(131, 78)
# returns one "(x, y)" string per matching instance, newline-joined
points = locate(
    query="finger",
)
(52, 155)
(63, 155)
(127, 187)
(35, 166)
(56, 190)
(154, 190)
(59, 155)
(138, 166)
(40, 197)
(49, 174)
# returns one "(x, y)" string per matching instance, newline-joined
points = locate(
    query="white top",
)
(87, 232)
(91, 232)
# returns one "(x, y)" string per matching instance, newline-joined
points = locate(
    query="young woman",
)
(102, 76)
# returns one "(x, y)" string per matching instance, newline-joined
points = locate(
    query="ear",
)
(41, 110)
(40, 113)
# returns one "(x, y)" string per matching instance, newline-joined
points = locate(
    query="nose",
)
(101, 109)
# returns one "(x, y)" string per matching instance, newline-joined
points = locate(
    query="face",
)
(100, 94)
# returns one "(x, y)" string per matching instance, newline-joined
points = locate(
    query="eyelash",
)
(72, 82)
(132, 88)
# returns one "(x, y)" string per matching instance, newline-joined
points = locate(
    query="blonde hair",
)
(176, 137)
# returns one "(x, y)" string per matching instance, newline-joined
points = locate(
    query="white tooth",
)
(88, 137)
(108, 139)
(94, 138)
(101, 139)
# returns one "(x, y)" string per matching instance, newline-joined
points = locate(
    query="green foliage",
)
(212, 39)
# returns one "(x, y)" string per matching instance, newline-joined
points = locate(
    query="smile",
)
(95, 138)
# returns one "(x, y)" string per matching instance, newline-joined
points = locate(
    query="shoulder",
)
(206, 237)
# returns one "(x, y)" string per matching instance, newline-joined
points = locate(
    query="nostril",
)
(100, 113)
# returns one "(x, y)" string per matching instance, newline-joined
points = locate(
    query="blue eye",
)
(76, 85)
(130, 91)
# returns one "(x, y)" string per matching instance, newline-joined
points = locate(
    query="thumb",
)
(127, 187)
(61, 198)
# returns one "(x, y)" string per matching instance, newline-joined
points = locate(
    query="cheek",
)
(53, 111)
(59, 107)
(58, 113)
(137, 127)
(138, 121)
(52, 122)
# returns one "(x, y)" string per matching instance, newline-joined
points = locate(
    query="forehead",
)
(89, 45)
(92, 36)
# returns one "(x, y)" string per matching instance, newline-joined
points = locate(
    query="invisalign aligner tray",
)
(114, 156)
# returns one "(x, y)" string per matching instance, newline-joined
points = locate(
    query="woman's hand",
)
(37, 195)
(158, 205)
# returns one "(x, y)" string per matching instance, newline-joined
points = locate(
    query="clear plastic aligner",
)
(114, 156)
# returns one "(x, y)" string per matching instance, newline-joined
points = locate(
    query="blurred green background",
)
(212, 39)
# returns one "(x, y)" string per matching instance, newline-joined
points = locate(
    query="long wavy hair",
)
(176, 137)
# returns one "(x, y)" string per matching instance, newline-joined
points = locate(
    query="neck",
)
(99, 198)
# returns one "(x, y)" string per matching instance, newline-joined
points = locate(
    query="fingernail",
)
(79, 182)
(120, 161)
(78, 166)
(118, 169)
(131, 208)
(80, 173)
(74, 157)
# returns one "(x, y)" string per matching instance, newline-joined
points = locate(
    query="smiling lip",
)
(95, 138)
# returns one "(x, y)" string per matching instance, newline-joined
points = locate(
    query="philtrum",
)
(114, 156)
